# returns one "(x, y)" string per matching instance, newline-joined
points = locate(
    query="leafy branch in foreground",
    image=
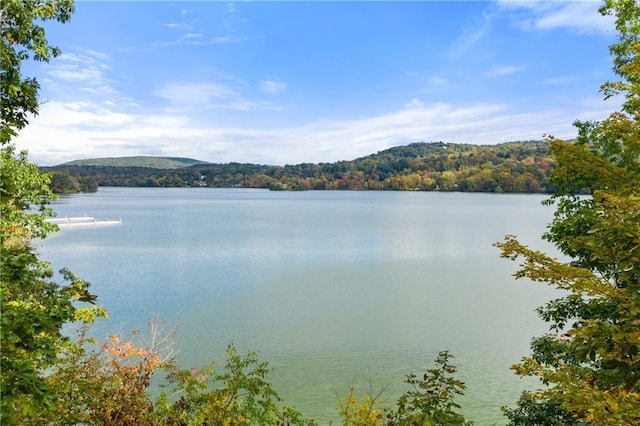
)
(112, 385)
(239, 395)
(367, 411)
(430, 402)
(432, 399)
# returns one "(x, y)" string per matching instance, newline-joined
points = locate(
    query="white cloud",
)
(228, 39)
(437, 81)
(578, 16)
(86, 71)
(272, 87)
(197, 93)
(471, 36)
(197, 39)
(502, 70)
(415, 103)
(228, 93)
(88, 66)
(97, 55)
(57, 115)
(99, 89)
(64, 132)
(72, 72)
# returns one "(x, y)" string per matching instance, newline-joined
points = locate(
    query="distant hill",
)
(523, 166)
(139, 161)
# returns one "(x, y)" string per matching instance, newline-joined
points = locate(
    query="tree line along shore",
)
(513, 167)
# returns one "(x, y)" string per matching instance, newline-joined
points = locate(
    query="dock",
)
(82, 222)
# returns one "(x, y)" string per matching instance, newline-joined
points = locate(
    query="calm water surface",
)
(328, 287)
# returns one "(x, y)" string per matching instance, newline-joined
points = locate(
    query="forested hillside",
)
(507, 167)
(139, 161)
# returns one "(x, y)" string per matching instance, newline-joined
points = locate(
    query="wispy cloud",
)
(196, 93)
(502, 70)
(199, 39)
(437, 81)
(98, 56)
(238, 38)
(228, 94)
(194, 33)
(174, 25)
(272, 87)
(196, 39)
(87, 69)
(471, 36)
(577, 16)
(74, 72)
(414, 103)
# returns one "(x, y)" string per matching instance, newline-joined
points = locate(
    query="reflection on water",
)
(326, 286)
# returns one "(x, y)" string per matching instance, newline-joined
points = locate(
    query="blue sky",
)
(290, 82)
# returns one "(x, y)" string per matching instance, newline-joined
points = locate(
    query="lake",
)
(329, 287)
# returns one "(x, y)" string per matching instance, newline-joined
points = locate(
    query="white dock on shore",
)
(82, 222)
